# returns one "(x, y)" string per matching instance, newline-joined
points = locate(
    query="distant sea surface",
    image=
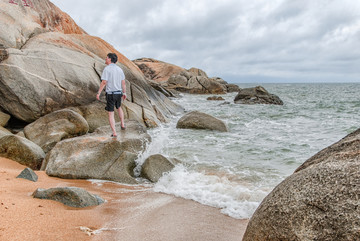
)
(234, 171)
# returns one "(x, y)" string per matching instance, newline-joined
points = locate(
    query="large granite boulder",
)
(199, 120)
(22, 151)
(257, 95)
(155, 166)
(70, 196)
(99, 156)
(320, 201)
(49, 63)
(54, 127)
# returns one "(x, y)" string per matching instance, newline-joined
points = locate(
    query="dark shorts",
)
(113, 100)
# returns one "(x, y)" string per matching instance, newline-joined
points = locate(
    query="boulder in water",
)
(257, 95)
(199, 120)
(320, 201)
(155, 166)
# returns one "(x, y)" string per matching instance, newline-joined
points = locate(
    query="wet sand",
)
(129, 213)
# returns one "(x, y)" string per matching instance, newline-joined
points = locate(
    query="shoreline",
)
(129, 213)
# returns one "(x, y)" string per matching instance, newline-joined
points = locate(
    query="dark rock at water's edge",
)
(199, 120)
(320, 201)
(28, 174)
(70, 196)
(225, 103)
(155, 166)
(215, 98)
(257, 95)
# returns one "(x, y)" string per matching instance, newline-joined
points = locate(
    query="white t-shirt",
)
(114, 75)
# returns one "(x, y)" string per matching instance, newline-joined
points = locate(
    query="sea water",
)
(235, 170)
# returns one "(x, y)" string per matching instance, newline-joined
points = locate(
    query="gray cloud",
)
(238, 40)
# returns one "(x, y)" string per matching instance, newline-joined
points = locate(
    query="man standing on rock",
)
(113, 78)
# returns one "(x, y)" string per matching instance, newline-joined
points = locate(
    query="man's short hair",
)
(113, 57)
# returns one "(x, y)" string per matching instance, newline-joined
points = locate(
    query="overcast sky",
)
(237, 40)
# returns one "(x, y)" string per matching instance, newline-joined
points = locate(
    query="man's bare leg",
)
(112, 122)
(121, 115)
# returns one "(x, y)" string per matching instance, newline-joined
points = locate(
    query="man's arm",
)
(102, 85)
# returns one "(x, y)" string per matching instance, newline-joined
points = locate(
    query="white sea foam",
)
(233, 199)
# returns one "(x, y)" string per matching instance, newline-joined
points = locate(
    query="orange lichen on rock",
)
(101, 48)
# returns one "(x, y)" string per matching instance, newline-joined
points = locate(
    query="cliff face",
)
(51, 17)
(22, 21)
(48, 62)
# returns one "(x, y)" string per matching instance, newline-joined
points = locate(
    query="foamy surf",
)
(231, 198)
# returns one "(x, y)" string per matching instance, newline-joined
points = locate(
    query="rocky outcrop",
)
(98, 156)
(54, 127)
(50, 63)
(229, 87)
(28, 174)
(22, 151)
(192, 84)
(320, 201)
(155, 166)
(70, 196)
(199, 120)
(232, 88)
(257, 95)
(156, 70)
(172, 77)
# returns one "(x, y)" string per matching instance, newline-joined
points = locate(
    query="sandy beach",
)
(129, 213)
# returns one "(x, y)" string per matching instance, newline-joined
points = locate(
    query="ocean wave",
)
(234, 199)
